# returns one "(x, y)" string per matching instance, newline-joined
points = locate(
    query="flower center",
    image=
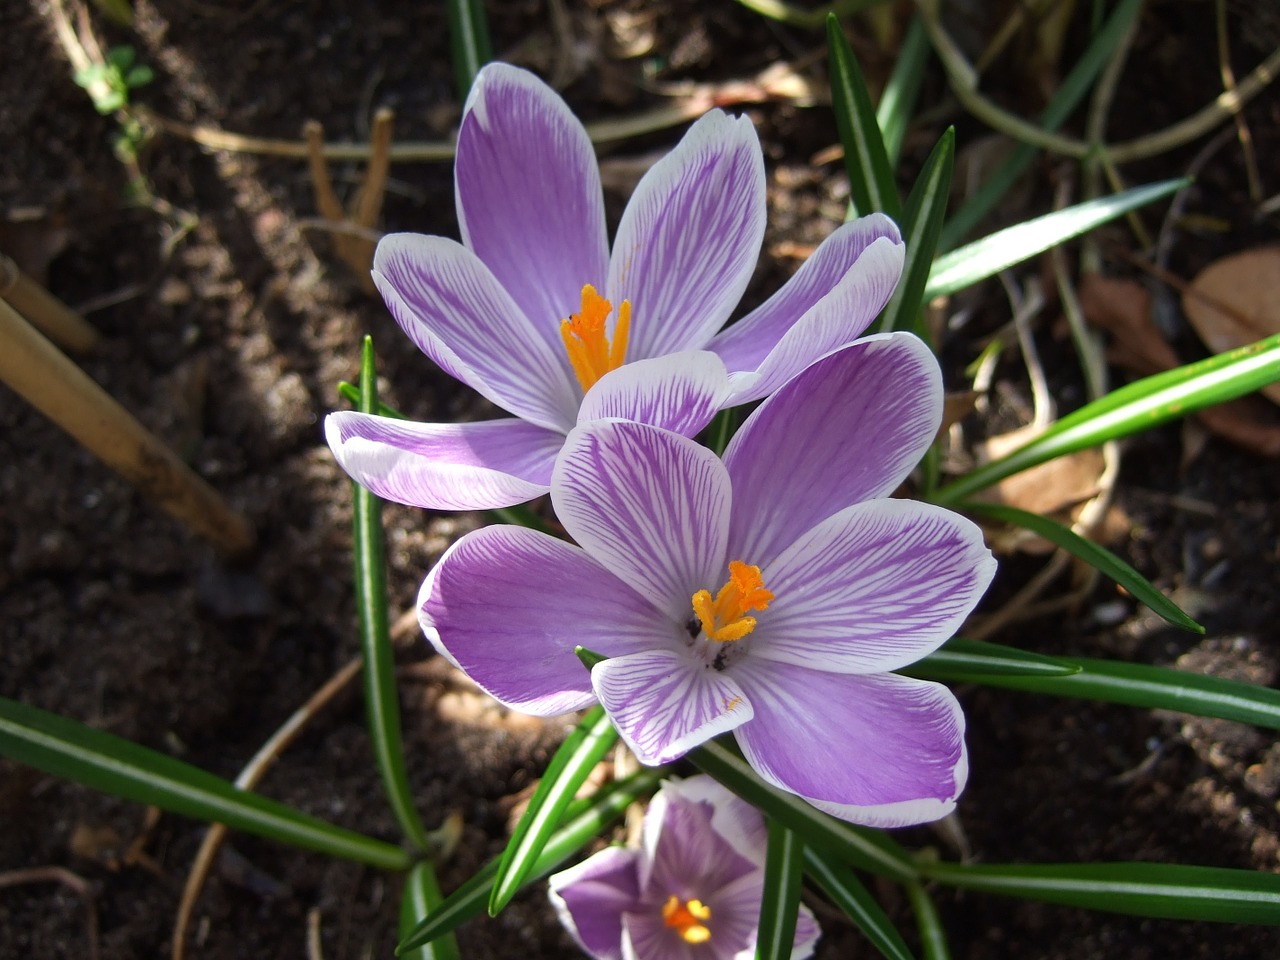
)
(686, 917)
(586, 341)
(725, 618)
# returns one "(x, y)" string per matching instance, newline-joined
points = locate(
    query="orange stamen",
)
(725, 619)
(586, 341)
(687, 919)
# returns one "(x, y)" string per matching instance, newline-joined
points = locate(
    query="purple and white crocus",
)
(772, 594)
(692, 890)
(535, 313)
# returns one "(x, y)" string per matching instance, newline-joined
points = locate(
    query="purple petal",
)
(735, 914)
(650, 505)
(680, 392)
(690, 236)
(459, 315)
(739, 823)
(590, 899)
(507, 605)
(445, 466)
(529, 198)
(882, 750)
(873, 588)
(685, 854)
(849, 428)
(646, 936)
(745, 344)
(664, 703)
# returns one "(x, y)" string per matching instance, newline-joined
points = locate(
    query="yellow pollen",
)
(725, 618)
(587, 342)
(687, 919)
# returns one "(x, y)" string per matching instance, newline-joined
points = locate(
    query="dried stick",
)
(54, 318)
(47, 379)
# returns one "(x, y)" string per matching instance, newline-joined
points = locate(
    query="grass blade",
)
(569, 768)
(780, 898)
(898, 101)
(1004, 248)
(111, 764)
(932, 935)
(351, 393)
(469, 42)
(421, 896)
(921, 224)
(973, 661)
(382, 706)
(582, 822)
(1165, 890)
(865, 160)
(849, 894)
(1137, 406)
(1098, 557)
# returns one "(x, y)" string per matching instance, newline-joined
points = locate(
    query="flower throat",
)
(725, 618)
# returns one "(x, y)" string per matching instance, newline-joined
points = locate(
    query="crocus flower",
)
(691, 892)
(535, 313)
(771, 594)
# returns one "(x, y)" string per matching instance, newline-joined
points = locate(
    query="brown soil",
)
(228, 340)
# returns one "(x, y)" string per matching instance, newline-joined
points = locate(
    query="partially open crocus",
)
(772, 594)
(690, 892)
(534, 312)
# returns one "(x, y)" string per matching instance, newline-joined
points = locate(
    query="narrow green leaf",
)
(970, 661)
(1141, 405)
(381, 702)
(1141, 889)
(898, 100)
(583, 820)
(1160, 688)
(921, 223)
(867, 849)
(933, 938)
(569, 768)
(351, 393)
(421, 896)
(110, 764)
(986, 257)
(849, 894)
(780, 897)
(1098, 557)
(468, 41)
(1070, 93)
(865, 160)
(520, 515)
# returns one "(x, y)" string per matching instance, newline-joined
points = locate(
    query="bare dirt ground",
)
(227, 323)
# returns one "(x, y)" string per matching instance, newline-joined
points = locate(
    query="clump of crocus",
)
(536, 313)
(691, 891)
(772, 594)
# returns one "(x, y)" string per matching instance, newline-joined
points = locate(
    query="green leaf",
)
(382, 705)
(139, 76)
(421, 896)
(898, 100)
(986, 257)
(118, 11)
(469, 42)
(1098, 557)
(865, 160)
(351, 393)
(1141, 405)
(921, 224)
(1160, 688)
(849, 894)
(933, 938)
(1141, 889)
(867, 849)
(973, 661)
(1070, 93)
(780, 897)
(583, 820)
(569, 768)
(110, 764)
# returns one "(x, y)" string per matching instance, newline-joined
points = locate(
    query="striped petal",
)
(680, 393)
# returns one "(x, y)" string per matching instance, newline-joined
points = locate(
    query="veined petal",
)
(873, 588)
(590, 899)
(837, 319)
(507, 605)
(458, 314)
(690, 236)
(739, 823)
(745, 344)
(684, 853)
(881, 750)
(529, 197)
(648, 504)
(445, 466)
(645, 936)
(664, 704)
(680, 392)
(849, 428)
(736, 910)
